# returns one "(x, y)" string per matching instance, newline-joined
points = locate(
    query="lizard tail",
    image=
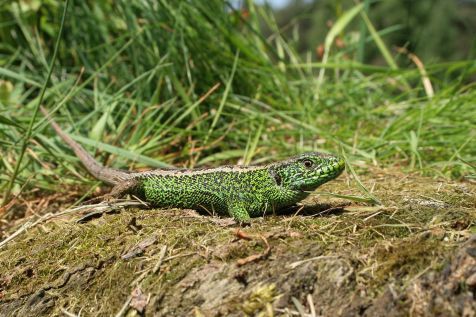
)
(105, 174)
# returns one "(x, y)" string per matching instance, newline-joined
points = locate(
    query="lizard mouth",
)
(319, 180)
(311, 187)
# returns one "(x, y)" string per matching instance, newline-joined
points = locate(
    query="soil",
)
(415, 255)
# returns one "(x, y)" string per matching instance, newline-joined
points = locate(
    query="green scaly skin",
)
(236, 191)
(239, 192)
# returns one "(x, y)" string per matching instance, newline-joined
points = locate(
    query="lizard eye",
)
(307, 163)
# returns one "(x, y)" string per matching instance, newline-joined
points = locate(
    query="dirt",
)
(413, 256)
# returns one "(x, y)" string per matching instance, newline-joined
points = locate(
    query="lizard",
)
(237, 191)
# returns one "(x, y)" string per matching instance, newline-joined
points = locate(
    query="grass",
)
(26, 139)
(160, 84)
(189, 84)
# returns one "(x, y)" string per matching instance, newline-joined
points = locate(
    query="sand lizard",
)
(236, 191)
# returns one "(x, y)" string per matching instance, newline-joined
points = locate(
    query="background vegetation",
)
(200, 83)
(436, 31)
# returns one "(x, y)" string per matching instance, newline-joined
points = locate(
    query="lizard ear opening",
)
(276, 177)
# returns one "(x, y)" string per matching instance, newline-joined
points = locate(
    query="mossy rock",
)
(412, 256)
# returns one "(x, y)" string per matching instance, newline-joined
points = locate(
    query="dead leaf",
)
(139, 300)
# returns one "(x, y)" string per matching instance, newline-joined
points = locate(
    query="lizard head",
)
(307, 171)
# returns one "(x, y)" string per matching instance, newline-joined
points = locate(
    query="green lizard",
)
(236, 191)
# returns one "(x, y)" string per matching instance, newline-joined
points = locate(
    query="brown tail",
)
(106, 174)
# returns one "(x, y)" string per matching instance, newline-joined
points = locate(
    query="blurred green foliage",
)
(435, 30)
(198, 38)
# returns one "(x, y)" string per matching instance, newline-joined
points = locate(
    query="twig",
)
(48, 216)
(322, 257)
(138, 280)
(240, 234)
(124, 307)
(67, 313)
(25, 226)
(298, 306)
(161, 258)
(328, 210)
(256, 257)
(139, 247)
(421, 68)
(179, 256)
(294, 216)
(311, 305)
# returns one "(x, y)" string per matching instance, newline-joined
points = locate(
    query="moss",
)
(409, 257)
(79, 266)
(259, 301)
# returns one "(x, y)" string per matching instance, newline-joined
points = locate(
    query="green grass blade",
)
(130, 155)
(379, 42)
(370, 196)
(35, 111)
(336, 29)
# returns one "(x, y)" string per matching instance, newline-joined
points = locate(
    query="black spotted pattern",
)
(240, 192)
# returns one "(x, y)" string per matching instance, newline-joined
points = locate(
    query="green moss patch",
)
(337, 257)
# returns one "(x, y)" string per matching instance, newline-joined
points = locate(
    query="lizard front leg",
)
(239, 211)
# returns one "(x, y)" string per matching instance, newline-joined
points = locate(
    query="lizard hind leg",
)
(123, 188)
(119, 190)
